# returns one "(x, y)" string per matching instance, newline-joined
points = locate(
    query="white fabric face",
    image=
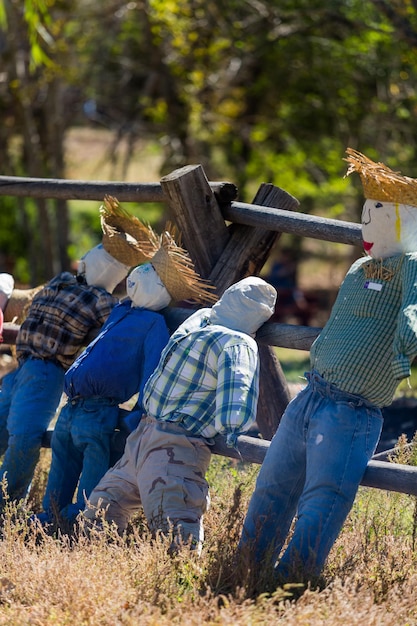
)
(6, 288)
(146, 289)
(245, 306)
(101, 269)
(388, 228)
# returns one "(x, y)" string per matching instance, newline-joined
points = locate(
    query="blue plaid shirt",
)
(207, 379)
(60, 317)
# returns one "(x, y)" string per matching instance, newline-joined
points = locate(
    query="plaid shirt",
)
(370, 339)
(207, 379)
(60, 317)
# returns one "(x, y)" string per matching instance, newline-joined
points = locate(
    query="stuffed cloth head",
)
(145, 288)
(6, 288)
(245, 306)
(101, 269)
(389, 216)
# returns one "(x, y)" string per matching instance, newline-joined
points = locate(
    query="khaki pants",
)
(163, 469)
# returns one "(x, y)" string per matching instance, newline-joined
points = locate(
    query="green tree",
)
(255, 90)
(33, 108)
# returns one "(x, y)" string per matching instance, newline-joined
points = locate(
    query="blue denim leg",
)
(341, 438)
(279, 484)
(80, 452)
(66, 464)
(330, 436)
(6, 394)
(37, 390)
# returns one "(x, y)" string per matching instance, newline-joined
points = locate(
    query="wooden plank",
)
(279, 335)
(95, 190)
(378, 474)
(197, 214)
(287, 335)
(249, 246)
(245, 254)
(274, 393)
(299, 224)
(227, 255)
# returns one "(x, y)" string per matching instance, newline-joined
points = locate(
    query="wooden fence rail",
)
(224, 253)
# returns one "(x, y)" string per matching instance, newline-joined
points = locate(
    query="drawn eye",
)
(378, 205)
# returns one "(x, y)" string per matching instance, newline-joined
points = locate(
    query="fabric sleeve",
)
(105, 304)
(405, 338)
(237, 390)
(156, 339)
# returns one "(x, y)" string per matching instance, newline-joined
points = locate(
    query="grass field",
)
(370, 578)
(76, 578)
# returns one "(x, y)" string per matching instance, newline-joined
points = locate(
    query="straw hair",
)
(176, 270)
(380, 182)
(19, 303)
(124, 236)
(132, 243)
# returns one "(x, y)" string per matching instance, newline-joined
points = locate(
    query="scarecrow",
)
(206, 382)
(58, 320)
(329, 432)
(114, 368)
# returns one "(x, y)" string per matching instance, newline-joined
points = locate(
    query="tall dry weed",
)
(100, 578)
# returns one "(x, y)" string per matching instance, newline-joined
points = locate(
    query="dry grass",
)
(370, 579)
(104, 580)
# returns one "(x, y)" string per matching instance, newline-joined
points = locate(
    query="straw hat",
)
(19, 303)
(380, 182)
(124, 236)
(133, 243)
(176, 270)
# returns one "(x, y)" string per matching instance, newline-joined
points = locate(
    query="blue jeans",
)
(312, 469)
(80, 453)
(29, 398)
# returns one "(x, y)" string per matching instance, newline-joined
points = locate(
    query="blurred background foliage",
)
(254, 90)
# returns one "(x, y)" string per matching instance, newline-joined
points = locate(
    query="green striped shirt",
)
(370, 339)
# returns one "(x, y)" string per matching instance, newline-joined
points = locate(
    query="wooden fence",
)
(227, 240)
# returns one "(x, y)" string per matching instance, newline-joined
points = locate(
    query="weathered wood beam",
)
(271, 334)
(245, 254)
(378, 474)
(249, 246)
(225, 255)
(197, 214)
(287, 335)
(95, 190)
(300, 224)
(241, 213)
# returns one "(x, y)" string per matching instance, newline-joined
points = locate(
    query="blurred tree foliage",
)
(255, 90)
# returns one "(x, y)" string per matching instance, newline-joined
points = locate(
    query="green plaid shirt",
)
(207, 379)
(370, 339)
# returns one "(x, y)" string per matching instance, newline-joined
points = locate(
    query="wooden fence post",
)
(226, 254)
